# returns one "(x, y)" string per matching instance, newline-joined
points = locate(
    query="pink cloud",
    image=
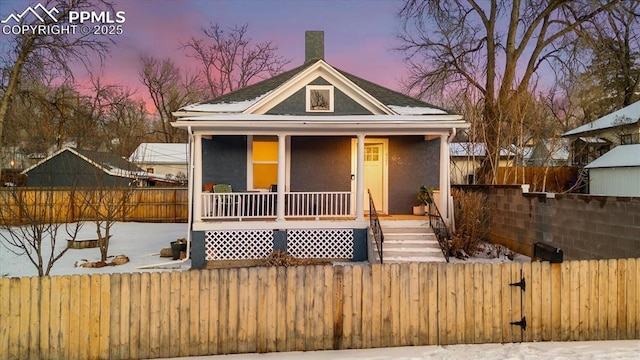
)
(358, 34)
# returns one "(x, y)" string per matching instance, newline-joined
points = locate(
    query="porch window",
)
(320, 98)
(265, 161)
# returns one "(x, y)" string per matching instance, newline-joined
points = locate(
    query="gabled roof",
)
(554, 149)
(468, 149)
(242, 99)
(620, 156)
(160, 153)
(401, 103)
(110, 163)
(626, 116)
(281, 105)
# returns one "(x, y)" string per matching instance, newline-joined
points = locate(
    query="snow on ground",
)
(141, 242)
(492, 253)
(582, 350)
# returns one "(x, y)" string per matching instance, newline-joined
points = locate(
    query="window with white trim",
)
(264, 161)
(319, 98)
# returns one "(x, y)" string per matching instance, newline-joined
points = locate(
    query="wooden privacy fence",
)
(169, 314)
(65, 205)
(552, 179)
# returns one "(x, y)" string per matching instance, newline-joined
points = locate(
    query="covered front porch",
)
(319, 181)
(316, 205)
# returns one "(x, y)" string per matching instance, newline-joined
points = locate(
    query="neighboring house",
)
(467, 157)
(169, 160)
(549, 152)
(592, 140)
(70, 167)
(616, 173)
(13, 162)
(299, 151)
(14, 158)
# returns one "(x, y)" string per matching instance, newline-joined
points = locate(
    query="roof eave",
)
(308, 126)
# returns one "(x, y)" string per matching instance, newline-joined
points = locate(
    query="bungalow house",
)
(70, 167)
(292, 158)
(592, 140)
(168, 160)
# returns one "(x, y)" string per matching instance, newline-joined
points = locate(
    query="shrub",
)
(472, 220)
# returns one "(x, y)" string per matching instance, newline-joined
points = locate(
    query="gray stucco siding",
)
(320, 163)
(413, 162)
(296, 104)
(224, 161)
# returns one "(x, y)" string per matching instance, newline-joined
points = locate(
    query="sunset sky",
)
(359, 34)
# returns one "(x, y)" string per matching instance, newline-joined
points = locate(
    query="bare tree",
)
(170, 89)
(43, 54)
(121, 120)
(495, 49)
(32, 221)
(108, 205)
(609, 78)
(230, 60)
(614, 40)
(127, 121)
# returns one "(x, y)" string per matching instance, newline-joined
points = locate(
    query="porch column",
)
(360, 179)
(281, 176)
(443, 206)
(196, 181)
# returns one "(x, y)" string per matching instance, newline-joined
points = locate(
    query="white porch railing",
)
(254, 205)
(317, 204)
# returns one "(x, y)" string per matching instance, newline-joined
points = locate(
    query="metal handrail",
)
(440, 228)
(374, 222)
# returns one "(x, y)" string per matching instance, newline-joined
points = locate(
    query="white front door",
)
(375, 172)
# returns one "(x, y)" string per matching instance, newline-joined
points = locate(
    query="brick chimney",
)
(313, 46)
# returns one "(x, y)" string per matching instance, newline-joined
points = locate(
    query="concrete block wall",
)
(583, 226)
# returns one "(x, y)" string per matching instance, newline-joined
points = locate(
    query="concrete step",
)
(404, 224)
(409, 236)
(411, 228)
(406, 230)
(410, 241)
(409, 249)
(415, 253)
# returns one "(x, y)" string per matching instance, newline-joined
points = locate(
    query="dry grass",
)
(472, 222)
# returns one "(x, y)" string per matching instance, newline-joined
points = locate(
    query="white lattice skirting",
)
(258, 244)
(238, 245)
(321, 244)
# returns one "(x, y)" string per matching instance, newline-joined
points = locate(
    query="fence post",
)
(175, 205)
